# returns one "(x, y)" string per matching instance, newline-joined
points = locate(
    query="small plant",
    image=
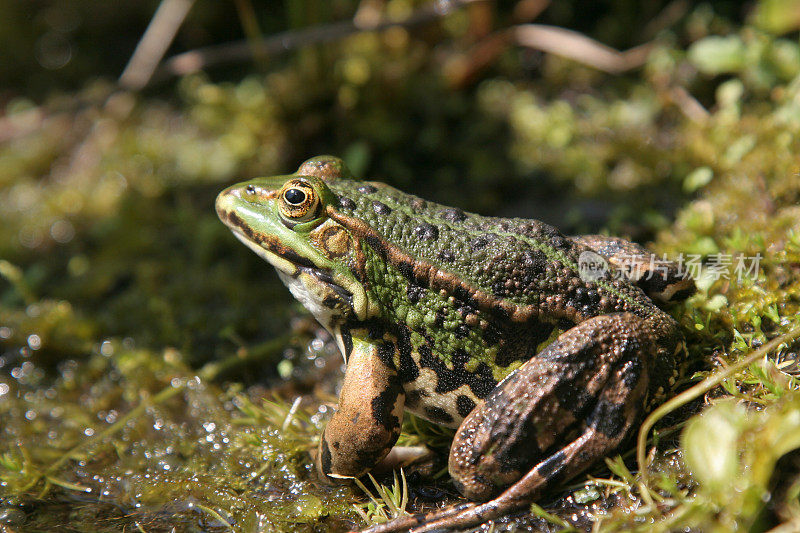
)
(387, 503)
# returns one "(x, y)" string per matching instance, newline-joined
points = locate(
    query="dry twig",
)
(580, 48)
(154, 43)
(211, 56)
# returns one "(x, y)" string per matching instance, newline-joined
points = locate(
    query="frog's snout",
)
(225, 202)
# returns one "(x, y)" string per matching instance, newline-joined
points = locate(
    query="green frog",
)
(544, 350)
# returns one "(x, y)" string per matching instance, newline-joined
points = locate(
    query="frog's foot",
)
(402, 456)
(419, 521)
(586, 389)
(518, 496)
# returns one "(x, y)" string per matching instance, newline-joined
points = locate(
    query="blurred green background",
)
(155, 374)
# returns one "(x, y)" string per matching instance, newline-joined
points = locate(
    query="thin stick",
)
(201, 58)
(689, 105)
(550, 39)
(154, 43)
(580, 48)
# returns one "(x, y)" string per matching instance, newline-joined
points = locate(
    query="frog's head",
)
(284, 219)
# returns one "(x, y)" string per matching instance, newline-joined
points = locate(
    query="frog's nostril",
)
(251, 189)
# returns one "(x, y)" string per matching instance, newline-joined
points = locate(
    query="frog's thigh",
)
(367, 421)
(565, 408)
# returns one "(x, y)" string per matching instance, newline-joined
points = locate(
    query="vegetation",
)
(154, 374)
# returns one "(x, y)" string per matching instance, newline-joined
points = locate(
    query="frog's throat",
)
(300, 280)
(324, 315)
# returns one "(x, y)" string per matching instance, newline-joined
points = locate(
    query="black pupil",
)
(295, 196)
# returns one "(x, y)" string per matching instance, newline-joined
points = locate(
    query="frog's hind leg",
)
(572, 404)
(663, 281)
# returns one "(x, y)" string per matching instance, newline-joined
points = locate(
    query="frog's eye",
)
(294, 196)
(298, 201)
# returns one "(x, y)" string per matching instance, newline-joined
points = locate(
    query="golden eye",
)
(299, 202)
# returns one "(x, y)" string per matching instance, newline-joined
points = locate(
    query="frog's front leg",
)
(367, 421)
(564, 409)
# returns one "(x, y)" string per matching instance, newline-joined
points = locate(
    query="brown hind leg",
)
(586, 389)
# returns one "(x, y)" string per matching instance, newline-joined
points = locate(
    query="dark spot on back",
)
(454, 215)
(346, 203)
(381, 208)
(535, 264)
(367, 189)
(491, 336)
(464, 296)
(447, 256)
(479, 243)
(427, 232)
(558, 241)
(499, 288)
(581, 295)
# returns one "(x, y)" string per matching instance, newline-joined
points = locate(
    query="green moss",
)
(139, 340)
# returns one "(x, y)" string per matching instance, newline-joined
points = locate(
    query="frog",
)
(542, 350)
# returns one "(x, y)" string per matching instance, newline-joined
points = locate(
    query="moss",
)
(154, 374)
